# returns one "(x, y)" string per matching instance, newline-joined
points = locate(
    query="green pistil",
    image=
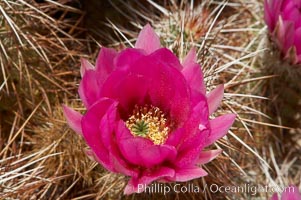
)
(148, 122)
(140, 128)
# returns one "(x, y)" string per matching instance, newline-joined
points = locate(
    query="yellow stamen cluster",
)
(148, 122)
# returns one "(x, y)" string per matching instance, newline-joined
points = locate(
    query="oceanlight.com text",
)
(213, 188)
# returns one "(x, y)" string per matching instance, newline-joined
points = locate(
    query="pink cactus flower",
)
(148, 114)
(290, 193)
(283, 18)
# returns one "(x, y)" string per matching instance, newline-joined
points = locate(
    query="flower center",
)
(149, 122)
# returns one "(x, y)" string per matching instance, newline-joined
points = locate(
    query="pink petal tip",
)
(148, 40)
(73, 119)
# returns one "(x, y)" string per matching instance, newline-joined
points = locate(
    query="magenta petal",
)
(127, 89)
(267, 16)
(275, 197)
(105, 59)
(148, 177)
(194, 76)
(189, 156)
(162, 78)
(151, 79)
(162, 94)
(187, 174)
(127, 57)
(189, 152)
(92, 155)
(156, 154)
(89, 89)
(297, 3)
(129, 145)
(85, 66)
(121, 166)
(297, 41)
(291, 12)
(193, 73)
(73, 119)
(105, 62)
(107, 125)
(285, 34)
(196, 140)
(219, 127)
(271, 12)
(284, 3)
(215, 97)
(122, 132)
(188, 135)
(164, 55)
(299, 58)
(291, 193)
(190, 58)
(198, 118)
(117, 165)
(138, 184)
(148, 40)
(130, 149)
(207, 156)
(176, 137)
(143, 152)
(92, 133)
